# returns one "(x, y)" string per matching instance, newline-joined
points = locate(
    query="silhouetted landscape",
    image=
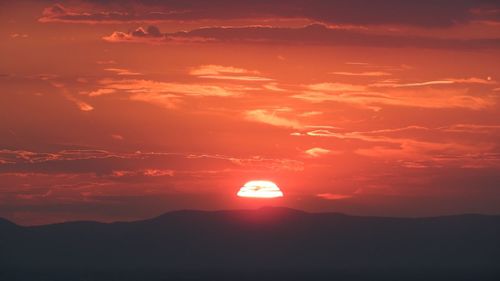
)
(265, 244)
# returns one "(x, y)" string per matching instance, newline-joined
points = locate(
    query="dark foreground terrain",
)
(264, 244)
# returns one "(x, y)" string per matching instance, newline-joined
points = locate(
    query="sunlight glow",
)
(260, 189)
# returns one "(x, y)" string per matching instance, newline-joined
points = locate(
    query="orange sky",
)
(123, 110)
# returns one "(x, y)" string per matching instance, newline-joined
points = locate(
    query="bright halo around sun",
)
(260, 189)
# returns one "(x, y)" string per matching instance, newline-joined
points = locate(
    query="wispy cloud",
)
(448, 81)
(473, 128)
(137, 86)
(271, 118)
(336, 87)
(166, 94)
(258, 162)
(104, 162)
(422, 144)
(212, 71)
(310, 113)
(82, 105)
(122, 71)
(117, 137)
(333, 196)
(144, 172)
(365, 73)
(372, 98)
(105, 62)
(101, 92)
(160, 99)
(18, 35)
(274, 87)
(317, 152)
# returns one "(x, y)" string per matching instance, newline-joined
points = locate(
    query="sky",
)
(123, 110)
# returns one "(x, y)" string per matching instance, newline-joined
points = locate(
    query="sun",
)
(260, 189)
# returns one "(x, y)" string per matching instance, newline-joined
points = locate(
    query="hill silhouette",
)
(263, 244)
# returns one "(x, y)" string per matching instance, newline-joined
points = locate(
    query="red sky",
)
(120, 110)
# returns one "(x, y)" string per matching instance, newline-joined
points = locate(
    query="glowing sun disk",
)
(260, 189)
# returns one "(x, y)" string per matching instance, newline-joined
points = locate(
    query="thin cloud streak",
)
(449, 81)
(333, 196)
(122, 71)
(271, 118)
(316, 152)
(220, 72)
(366, 73)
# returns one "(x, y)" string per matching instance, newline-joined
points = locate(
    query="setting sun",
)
(260, 189)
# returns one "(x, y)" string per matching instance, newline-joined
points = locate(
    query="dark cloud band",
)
(316, 34)
(359, 12)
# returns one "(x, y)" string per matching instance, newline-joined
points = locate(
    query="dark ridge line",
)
(282, 210)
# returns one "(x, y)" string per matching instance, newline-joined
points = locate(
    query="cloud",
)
(150, 34)
(336, 87)
(18, 35)
(165, 94)
(333, 196)
(59, 13)
(371, 98)
(145, 172)
(357, 63)
(366, 73)
(122, 71)
(425, 146)
(472, 128)
(105, 62)
(317, 152)
(83, 106)
(273, 87)
(212, 71)
(25, 156)
(315, 34)
(384, 12)
(141, 86)
(164, 100)
(271, 118)
(448, 81)
(257, 162)
(117, 137)
(436, 153)
(101, 92)
(105, 163)
(311, 113)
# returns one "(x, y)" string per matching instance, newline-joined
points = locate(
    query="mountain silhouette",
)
(265, 244)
